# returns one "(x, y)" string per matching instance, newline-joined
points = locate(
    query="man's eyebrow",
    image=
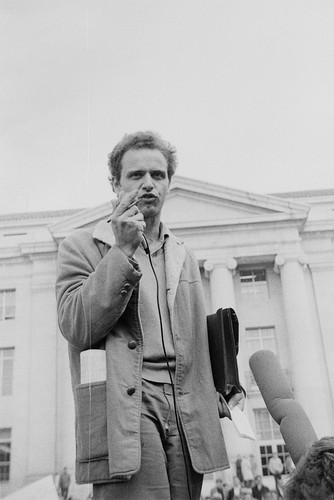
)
(136, 171)
(142, 170)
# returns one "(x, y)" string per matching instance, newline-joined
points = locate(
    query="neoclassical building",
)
(270, 257)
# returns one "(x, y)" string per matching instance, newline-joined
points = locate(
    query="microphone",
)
(295, 426)
(144, 242)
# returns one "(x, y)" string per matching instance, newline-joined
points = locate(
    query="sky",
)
(243, 89)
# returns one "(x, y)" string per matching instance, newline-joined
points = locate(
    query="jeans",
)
(166, 472)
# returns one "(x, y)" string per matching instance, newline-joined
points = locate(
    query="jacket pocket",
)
(91, 421)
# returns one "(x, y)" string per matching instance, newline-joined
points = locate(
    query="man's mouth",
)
(148, 197)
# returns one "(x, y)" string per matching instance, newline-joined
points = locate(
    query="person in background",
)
(253, 465)
(275, 467)
(289, 466)
(259, 490)
(64, 483)
(314, 474)
(238, 470)
(235, 491)
(218, 488)
(247, 472)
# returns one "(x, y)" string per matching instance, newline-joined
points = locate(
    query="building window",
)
(268, 432)
(6, 371)
(254, 283)
(266, 428)
(5, 443)
(266, 452)
(260, 338)
(7, 304)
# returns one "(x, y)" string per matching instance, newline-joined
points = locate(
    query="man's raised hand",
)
(128, 222)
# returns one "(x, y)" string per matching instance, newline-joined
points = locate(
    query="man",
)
(236, 491)
(253, 463)
(259, 490)
(64, 483)
(238, 468)
(289, 466)
(129, 287)
(275, 467)
(218, 488)
(247, 472)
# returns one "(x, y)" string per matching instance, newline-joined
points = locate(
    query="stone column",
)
(323, 281)
(42, 381)
(222, 294)
(309, 377)
(221, 282)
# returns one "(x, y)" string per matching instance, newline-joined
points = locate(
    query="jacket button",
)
(131, 391)
(126, 288)
(132, 344)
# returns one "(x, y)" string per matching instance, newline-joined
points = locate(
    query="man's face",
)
(145, 169)
(236, 481)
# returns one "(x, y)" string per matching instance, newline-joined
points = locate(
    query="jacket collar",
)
(103, 232)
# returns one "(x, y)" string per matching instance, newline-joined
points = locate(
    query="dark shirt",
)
(259, 494)
(217, 489)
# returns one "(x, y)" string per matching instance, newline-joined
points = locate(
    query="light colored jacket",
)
(98, 290)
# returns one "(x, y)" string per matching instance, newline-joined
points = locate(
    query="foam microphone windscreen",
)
(295, 426)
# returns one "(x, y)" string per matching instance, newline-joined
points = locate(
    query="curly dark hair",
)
(141, 140)
(314, 474)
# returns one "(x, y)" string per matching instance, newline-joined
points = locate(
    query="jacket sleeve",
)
(92, 291)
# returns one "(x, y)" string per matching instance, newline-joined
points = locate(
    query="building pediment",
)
(192, 203)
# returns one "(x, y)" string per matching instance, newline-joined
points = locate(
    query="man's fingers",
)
(237, 399)
(138, 216)
(127, 200)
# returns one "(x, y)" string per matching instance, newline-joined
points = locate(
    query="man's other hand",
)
(237, 399)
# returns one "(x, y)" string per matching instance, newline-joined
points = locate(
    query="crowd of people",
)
(238, 491)
(311, 479)
(248, 482)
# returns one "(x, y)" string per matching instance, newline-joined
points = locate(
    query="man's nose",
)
(147, 182)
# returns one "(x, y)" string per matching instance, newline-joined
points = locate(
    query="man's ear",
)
(115, 185)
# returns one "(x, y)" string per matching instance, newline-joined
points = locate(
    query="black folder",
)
(223, 334)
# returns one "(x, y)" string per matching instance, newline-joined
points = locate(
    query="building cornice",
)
(37, 217)
(264, 201)
(28, 251)
(319, 226)
(60, 229)
(241, 224)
